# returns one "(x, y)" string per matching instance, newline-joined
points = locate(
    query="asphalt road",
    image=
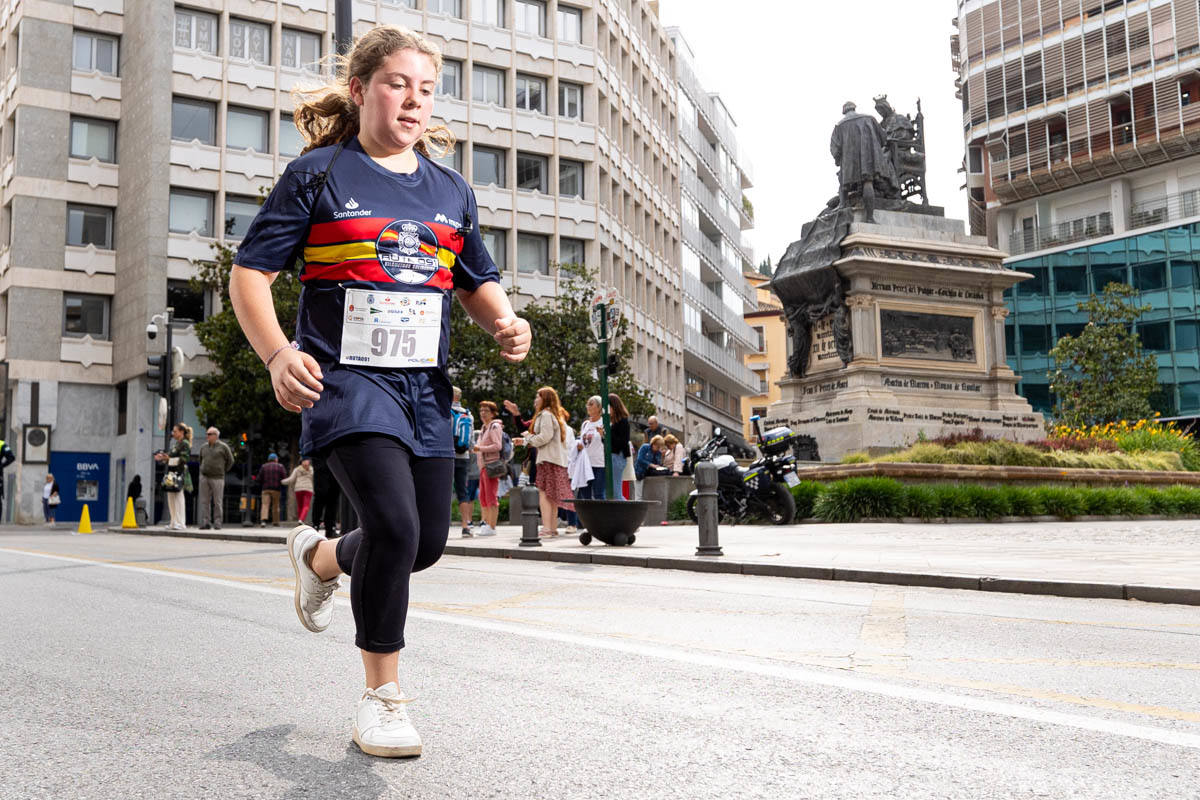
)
(154, 667)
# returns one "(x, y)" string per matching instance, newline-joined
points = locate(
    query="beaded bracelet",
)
(292, 344)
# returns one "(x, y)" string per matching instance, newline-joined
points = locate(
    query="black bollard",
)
(706, 509)
(530, 517)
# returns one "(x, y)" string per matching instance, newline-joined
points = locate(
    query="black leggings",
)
(403, 505)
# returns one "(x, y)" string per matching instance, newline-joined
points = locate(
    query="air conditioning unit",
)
(35, 444)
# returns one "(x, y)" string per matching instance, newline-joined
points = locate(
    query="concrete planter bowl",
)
(613, 522)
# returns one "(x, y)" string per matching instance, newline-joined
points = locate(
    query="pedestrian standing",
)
(529, 464)
(216, 459)
(488, 451)
(6, 457)
(301, 482)
(653, 428)
(549, 437)
(50, 499)
(591, 442)
(462, 425)
(381, 415)
(618, 417)
(326, 498)
(177, 479)
(270, 480)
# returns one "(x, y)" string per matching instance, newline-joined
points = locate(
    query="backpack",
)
(462, 432)
(506, 447)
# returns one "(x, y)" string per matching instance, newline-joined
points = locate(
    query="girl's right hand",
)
(296, 379)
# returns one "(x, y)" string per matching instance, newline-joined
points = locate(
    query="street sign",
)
(606, 300)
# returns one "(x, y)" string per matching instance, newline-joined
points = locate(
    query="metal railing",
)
(1165, 209)
(736, 325)
(1066, 232)
(729, 272)
(708, 202)
(721, 359)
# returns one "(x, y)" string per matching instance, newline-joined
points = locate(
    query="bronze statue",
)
(859, 148)
(905, 146)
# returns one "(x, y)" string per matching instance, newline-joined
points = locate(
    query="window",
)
(290, 140)
(193, 119)
(1070, 280)
(190, 305)
(533, 253)
(1184, 273)
(570, 100)
(570, 24)
(761, 338)
(761, 374)
(570, 178)
(300, 50)
(90, 225)
(250, 41)
(571, 251)
(487, 85)
(95, 52)
(85, 315)
(246, 129)
(240, 211)
(496, 242)
(488, 12)
(529, 16)
(531, 93)
(451, 8)
(94, 138)
(451, 85)
(122, 407)
(1187, 334)
(452, 160)
(487, 166)
(196, 30)
(1149, 277)
(1035, 339)
(1155, 336)
(190, 211)
(1103, 276)
(531, 172)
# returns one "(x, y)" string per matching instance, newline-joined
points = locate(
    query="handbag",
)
(496, 469)
(172, 482)
(54, 499)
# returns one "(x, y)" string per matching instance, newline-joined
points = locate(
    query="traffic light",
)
(157, 376)
(614, 364)
(242, 439)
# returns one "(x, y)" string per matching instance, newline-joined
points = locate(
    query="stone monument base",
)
(926, 314)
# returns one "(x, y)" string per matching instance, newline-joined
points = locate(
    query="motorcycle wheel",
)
(691, 510)
(781, 505)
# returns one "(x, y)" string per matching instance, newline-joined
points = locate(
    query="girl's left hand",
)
(514, 337)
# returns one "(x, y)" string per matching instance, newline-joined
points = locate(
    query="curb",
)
(715, 564)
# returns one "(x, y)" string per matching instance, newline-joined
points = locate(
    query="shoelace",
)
(322, 592)
(393, 707)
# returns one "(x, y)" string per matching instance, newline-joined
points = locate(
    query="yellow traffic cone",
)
(85, 521)
(130, 520)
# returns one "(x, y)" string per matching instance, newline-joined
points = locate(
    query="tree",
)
(238, 395)
(764, 267)
(564, 355)
(1102, 375)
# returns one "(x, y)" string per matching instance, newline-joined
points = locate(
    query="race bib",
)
(391, 329)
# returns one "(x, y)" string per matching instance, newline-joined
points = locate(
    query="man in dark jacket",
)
(6, 457)
(270, 479)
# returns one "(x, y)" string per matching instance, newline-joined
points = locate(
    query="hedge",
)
(853, 499)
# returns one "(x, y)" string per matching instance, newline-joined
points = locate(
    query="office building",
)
(1081, 122)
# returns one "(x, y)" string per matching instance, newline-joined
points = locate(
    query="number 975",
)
(403, 342)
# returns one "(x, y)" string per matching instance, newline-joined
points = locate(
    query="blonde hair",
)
(550, 403)
(656, 440)
(670, 440)
(185, 429)
(328, 114)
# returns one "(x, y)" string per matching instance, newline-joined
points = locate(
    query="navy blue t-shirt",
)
(377, 230)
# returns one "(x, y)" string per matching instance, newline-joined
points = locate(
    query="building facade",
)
(128, 150)
(1081, 122)
(714, 175)
(767, 359)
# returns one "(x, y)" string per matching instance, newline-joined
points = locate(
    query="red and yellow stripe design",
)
(345, 250)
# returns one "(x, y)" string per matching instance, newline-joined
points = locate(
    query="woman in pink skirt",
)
(548, 434)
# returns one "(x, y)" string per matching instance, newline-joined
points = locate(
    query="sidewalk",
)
(1148, 560)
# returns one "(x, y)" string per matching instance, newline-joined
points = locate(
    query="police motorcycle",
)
(759, 490)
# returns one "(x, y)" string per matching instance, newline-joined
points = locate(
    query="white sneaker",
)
(381, 724)
(314, 597)
(571, 531)
(486, 530)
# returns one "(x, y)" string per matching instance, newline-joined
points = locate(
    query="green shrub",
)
(854, 498)
(1022, 501)
(985, 502)
(921, 501)
(806, 494)
(1011, 454)
(502, 515)
(1185, 498)
(861, 457)
(1102, 502)
(678, 508)
(1061, 501)
(1156, 439)
(951, 500)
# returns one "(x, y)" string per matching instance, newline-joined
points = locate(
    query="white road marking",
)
(797, 674)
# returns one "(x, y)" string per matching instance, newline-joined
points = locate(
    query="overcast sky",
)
(784, 68)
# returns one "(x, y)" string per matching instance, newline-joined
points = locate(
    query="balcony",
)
(720, 359)
(1165, 209)
(715, 307)
(1067, 232)
(709, 204)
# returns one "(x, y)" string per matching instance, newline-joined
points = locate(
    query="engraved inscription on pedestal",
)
(822, 353)
(927, 337)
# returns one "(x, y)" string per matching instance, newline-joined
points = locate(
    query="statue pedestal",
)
(927, 320)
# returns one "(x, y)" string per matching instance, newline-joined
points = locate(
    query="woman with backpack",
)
(548, 434)
(490, 452)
